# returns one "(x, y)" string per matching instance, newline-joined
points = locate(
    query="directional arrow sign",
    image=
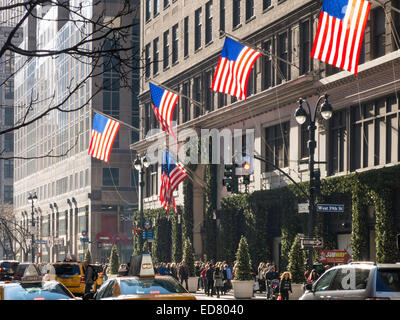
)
(311, 242)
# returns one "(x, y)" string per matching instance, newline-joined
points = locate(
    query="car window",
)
(388, 280)
(325, 280)
(9, 265)
(106, 290)
(66, 269)
(350, 279)
(47, 290)
(150, 286)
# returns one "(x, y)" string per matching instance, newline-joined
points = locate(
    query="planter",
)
(242, 289)
(192, 284)
(298, 291)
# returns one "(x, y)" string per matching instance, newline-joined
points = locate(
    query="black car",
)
(7, 269)
(19, 273)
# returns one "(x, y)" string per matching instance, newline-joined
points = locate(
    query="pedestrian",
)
(261, 276)
(204, 278)
(90, 275)
(285, 285)
(312, 277)
(197, 268)
(270, 275)
(210, 280)
(174, 271)
(218, 281)
(183, 273)
(228, 277)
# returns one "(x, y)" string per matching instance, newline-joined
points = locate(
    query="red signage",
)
(107, 237)
(334, 256)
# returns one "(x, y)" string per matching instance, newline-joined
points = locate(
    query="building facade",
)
(83, 203)
(362, 134)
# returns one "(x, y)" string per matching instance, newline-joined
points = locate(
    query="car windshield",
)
(150, 286)
(9, 265)
(47, 290)
(66, 269)
(388, 280)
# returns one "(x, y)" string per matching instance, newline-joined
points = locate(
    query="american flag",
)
(340, 33)
(164, 103)
(234, 68)
(172, 174)
(104, 131)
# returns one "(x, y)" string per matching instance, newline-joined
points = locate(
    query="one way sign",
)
(311, 242)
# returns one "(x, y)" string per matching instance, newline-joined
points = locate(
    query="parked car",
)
(7, 269)
(357, 281)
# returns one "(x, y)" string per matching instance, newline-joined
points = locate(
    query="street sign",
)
(147, 224)
(303, 208)
(330, 207)
(84, 239)
(41, 241)
(334, 256)
(311, 242)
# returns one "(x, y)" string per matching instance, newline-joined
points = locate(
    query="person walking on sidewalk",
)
(218, 281)
(285, 285)
(210, 280)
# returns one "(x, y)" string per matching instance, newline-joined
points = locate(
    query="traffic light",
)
(317, 181)
(230, 180)
(246, 172)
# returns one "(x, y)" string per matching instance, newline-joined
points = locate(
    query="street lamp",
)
(140, 164)
(33, 198)
(301, 117)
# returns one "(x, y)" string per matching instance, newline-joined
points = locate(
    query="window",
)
(110, 176)
(186, 37)
(283, 53)
(268, 71)
(166, 49)
(166, 3)
(388, 280)
(185, 103)
(378, 45)
(250, 90)
(147, 60)
(8, 169)
(9, 116)
(277, 146)
(9, 89)
(197, 29)
(209, 21)
(9, 142)
(156, 7)
(134, 178)
(337, 134)
(236, 13)
(8, 194)
(222, 100)
(373, 138)
(325, 280)
(249, 9)
(304, 153)
(305, 47)
(148, 9)
(156, 56)
(209, 94)
(343, 279)
(197, 95)
(175, 44)
(222, 15)
(266, 4)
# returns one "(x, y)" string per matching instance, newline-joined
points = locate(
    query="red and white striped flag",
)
(104, 131)
(340, 33)
(234, 68)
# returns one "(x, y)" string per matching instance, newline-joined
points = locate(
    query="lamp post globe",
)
(300, 114)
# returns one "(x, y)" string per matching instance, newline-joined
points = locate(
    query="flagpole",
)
(262, 51)
(178, 93)
(108, 116)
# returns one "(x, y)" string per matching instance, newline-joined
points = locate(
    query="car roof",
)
(388, 265)
(1, 261)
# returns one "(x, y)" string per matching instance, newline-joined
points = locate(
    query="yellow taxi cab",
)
(33, 287)
(142, 284)
(72, 275)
